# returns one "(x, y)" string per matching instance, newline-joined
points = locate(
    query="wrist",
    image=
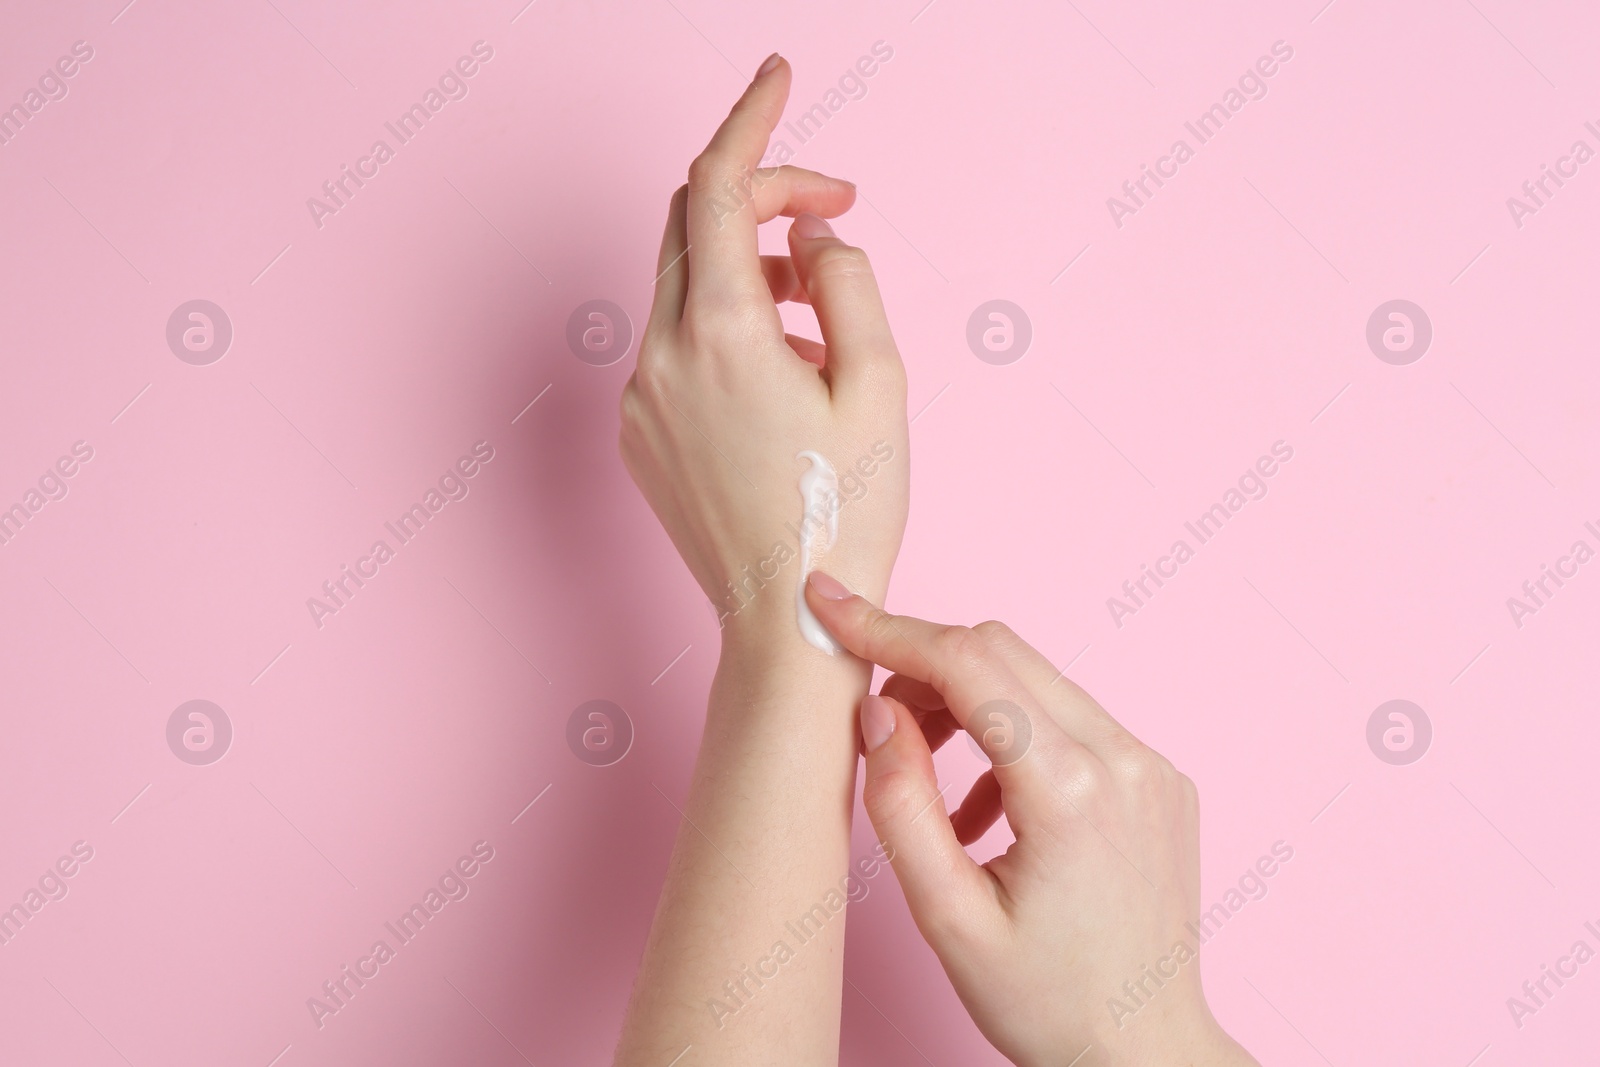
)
(1193, 1042)
(766, 660)
(763, 624)
(1219, 1050)
(1201, 1044)
(775, 655)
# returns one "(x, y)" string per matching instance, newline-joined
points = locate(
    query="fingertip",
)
(773, 76)
(846, 197)
(809, 226)
(878, 719)
(892, 739)
(826, 587)
(981, 809)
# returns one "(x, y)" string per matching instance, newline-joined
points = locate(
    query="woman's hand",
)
(723, 401)
(713, 421)
(1074, 942)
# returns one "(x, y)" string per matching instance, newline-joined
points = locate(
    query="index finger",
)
(981, 691)
(723, 262)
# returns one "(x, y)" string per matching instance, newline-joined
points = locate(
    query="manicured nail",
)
(827, 586)
(770, 65)
(877, 721)
(810, 226)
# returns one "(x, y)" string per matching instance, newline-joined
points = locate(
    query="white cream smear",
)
(819, 494)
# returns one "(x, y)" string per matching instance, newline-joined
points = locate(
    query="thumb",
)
(901, 794)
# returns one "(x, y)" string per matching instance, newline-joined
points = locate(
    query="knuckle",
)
(878, 631)
(635, 416)
(883, 377)
(1137, 768)
(726, 319)
(1188, 791)
(962, 649)
(677, 204)
(630, 430)
(628, 404)
(892, 797)
(1142, 768)
(886, 375)
(995, 632)
(1084, 786)
(711, 173)
(647, 371)
(840, 262)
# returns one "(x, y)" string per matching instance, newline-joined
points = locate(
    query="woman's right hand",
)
(1072, 947)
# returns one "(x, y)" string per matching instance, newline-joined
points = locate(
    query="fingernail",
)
(770, 65)
(827, 586)
(810, 226)
(877, 721)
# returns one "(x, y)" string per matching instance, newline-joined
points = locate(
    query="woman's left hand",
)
(723, 401)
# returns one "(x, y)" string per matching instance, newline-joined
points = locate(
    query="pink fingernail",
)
(770, 65)
(877, 721)
(811, 226)
(827, 586)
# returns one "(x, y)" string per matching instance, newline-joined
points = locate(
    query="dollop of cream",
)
(819, 519)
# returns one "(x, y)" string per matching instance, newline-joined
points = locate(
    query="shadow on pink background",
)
(374, 346)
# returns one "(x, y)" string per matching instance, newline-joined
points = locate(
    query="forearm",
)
(729, 967)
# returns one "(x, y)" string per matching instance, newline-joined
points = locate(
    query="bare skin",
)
(1052, 945)
(713, 420)
(1105, 870)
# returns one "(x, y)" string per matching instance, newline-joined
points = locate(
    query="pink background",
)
(1227, 314)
